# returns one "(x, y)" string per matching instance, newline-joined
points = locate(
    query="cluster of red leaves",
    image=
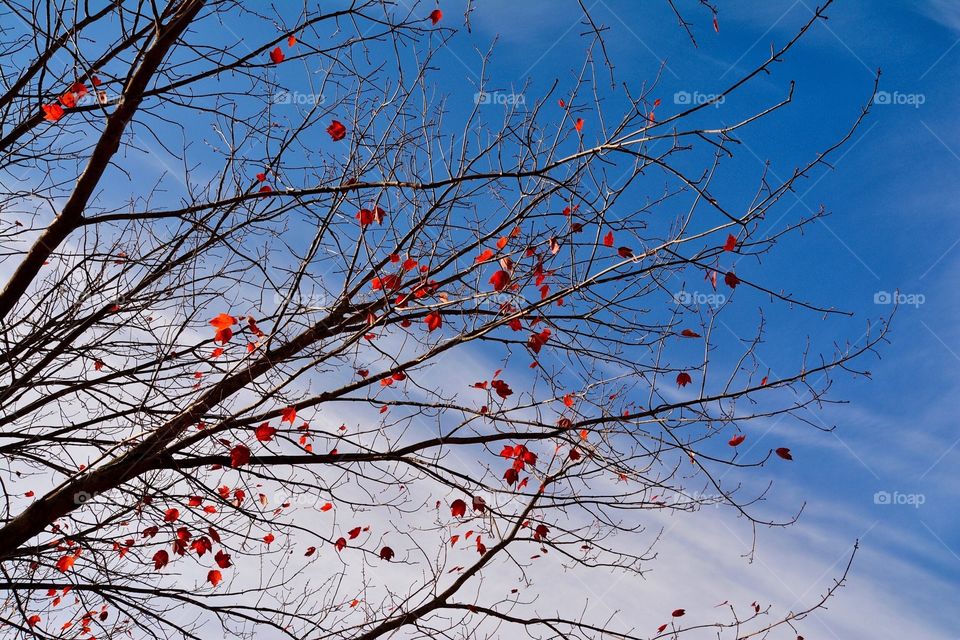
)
(458, 508)
(522, 457)
(500, 387)
(277, 56)
(54, 111)
(369, 216)
(676, 613)
(341, 543)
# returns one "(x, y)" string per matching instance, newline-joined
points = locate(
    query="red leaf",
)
(502, 388)
(716, 25)
(608, 239)
(737, 439)
(568, 400)
(436, 15)
(171, 515)
(353, 533)
(731, 280)
(268, 538)
(433, 320)
(500, 280)
(678, 612)
(386, 554)
(579, 125)
(625, 252)
(265, 432)
(65, 563)
(661, 628)
(458, 508)
(291, 40)
(222, 559)
(688, 333)
(541, 532)
(33, 620)
(288, 415)
(511, 475)
(223, 321)
(484, 256)
(160, 559)
(683, 379)
(337, 131)
(340, 544)
(310, 551)
(201, 545)
(52, 112)
(784, 453)
(68, 100)
(239, 456)
(537, 340)
(277, 55)
(731, 243)
(214, 577)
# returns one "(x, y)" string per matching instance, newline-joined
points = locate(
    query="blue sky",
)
(893, 226)
(893, 200)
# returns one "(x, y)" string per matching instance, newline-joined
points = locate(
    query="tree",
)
(326, 365)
